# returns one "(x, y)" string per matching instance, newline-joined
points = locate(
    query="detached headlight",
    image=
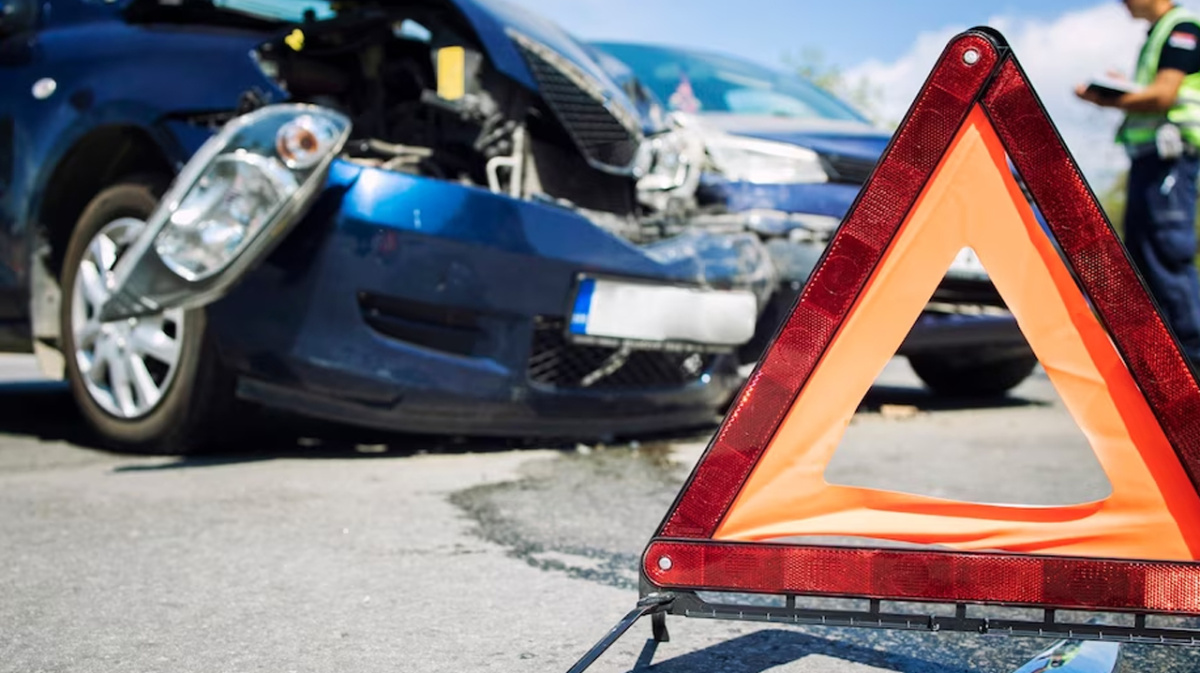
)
(234, 200)
(258, 170)
(763, 161)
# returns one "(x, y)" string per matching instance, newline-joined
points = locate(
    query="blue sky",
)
(848, 32)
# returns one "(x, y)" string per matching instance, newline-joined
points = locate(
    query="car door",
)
(17, 19)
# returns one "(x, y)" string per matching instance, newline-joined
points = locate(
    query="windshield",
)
(698, 82)
(292, 11)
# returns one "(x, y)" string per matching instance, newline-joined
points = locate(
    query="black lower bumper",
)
(550, 417)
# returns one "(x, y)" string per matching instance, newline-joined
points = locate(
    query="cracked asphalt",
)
(318, 548)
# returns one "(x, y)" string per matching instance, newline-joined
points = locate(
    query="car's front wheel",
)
(148, 384)
(972, 374)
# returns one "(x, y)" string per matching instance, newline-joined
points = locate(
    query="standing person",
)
(1161, 134)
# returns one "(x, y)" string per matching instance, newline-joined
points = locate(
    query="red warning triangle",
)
(944, 184)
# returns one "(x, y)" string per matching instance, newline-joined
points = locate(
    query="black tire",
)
(199, 395)
(966, 375)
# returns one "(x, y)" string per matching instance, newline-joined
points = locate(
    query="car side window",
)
(284, 11)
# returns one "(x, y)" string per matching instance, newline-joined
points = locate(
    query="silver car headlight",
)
(763, 161)
(234, 200)
(669, 161)
(256, 171)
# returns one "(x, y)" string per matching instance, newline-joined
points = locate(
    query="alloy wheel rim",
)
(125, 365)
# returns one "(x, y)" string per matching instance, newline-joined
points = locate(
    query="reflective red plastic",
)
(950, 577)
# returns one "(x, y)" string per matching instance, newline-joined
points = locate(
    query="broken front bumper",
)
(420, 305)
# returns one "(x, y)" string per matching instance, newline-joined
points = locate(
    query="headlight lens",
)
(762, 161)
(257, 171)
(669, 159)
(232, 201)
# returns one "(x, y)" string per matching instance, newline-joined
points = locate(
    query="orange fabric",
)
(972, 200)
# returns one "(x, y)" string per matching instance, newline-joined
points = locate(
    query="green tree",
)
(811, 64)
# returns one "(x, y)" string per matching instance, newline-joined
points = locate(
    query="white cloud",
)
(1056, 55)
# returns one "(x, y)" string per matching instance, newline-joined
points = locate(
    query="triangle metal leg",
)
(654, 604)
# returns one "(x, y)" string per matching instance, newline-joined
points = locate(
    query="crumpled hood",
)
(493, 19)
(844, 138)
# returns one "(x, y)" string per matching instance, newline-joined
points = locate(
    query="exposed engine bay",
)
(426, 100)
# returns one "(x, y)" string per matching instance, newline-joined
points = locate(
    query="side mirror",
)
(17, 16)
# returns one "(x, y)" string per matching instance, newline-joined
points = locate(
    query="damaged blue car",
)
(434, 216)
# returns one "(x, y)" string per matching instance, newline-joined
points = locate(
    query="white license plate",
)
(662, 313)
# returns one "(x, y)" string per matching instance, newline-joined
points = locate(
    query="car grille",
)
(598, 130)
(561, 364)
(850, 170)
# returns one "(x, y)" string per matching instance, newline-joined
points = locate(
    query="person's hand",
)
(1081, 91)
(1094, 98)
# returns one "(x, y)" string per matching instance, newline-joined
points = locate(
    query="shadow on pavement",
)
(45, 410)
(270, 436)
(764, 650)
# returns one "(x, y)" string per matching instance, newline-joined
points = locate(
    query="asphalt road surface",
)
(317, 549)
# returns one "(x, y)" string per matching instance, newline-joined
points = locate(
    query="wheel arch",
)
(104, 156)
(101, 157)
